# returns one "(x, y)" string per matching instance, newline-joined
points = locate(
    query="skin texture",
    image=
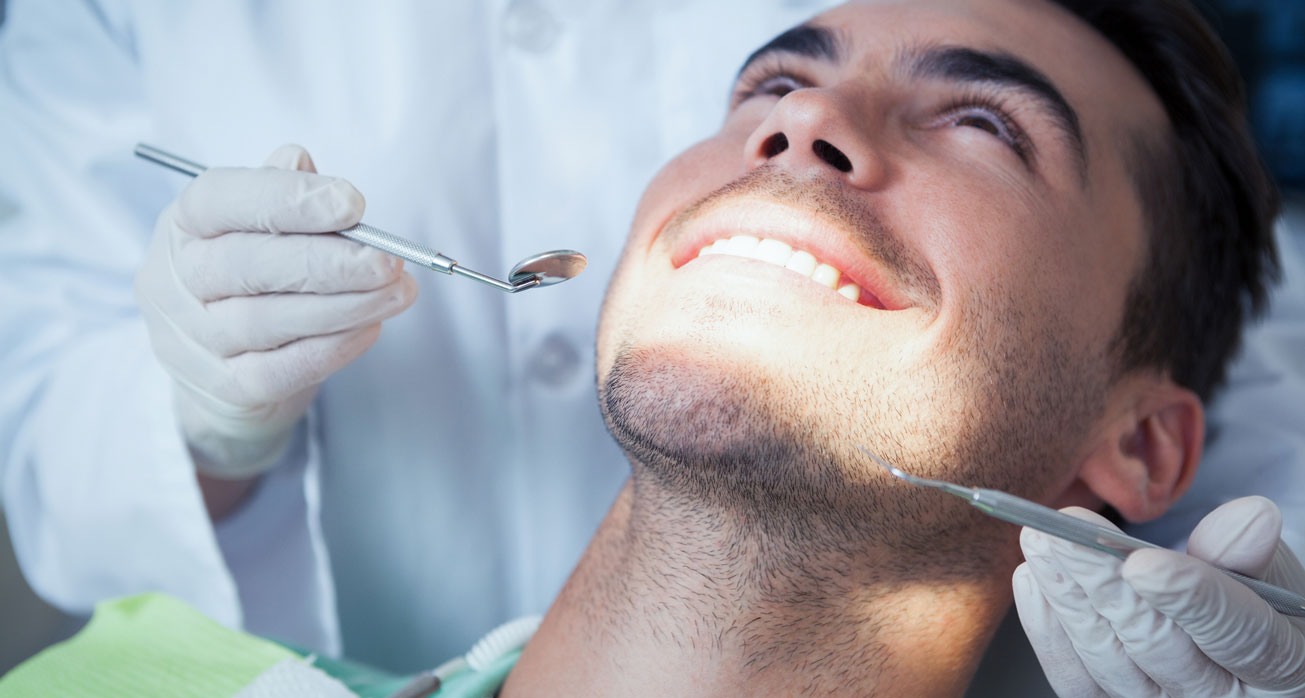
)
(756, 552)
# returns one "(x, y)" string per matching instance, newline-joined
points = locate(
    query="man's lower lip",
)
(757, 269)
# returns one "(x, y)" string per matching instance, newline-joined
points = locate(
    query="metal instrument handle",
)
(362, 233)
(1282, 600)
(1022, 512)
(399, 247)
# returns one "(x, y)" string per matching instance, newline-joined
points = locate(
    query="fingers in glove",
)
(1242, 535)
(1156, 645)
(249, 264)
(258, 323)
(1229, 622)
(272, 376)
(291, 157)
(269, 200)
(1060, 662)
(1092, 635)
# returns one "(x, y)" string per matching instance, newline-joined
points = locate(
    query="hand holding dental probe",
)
(249, 306)
(543, 269)
(1161, 623)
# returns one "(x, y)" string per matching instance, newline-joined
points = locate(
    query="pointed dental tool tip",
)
(897, 473)
(949, 488)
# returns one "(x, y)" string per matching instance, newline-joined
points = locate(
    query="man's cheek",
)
(622, 305)
(687, 178)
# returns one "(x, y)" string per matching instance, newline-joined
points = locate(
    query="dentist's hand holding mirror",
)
(249, 306)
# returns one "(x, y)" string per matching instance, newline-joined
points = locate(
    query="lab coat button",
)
(555, 362)
(529, 25)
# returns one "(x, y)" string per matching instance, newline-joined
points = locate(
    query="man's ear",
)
(1145, 455)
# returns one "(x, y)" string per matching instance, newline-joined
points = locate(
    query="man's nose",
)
(815, 132)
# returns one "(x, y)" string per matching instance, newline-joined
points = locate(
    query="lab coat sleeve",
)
(1256, 425)
(98, 487)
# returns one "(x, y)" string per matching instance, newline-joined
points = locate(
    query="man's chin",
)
(709, 428)
(690, 406)
(694, 409)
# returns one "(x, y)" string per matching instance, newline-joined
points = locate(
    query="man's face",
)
(962, 162)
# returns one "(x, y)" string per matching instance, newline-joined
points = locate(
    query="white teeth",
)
(783, 255)
(714, 248)
(802, 262)
(774, 251)
(826, 275)
(742, 246)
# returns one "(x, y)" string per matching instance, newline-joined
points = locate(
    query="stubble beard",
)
(750, 449)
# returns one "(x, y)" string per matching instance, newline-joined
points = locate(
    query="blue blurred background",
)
(1268, 39)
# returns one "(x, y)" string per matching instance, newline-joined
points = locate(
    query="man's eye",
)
(770, 83)
(776, 86)
(990, 118)
(983, 122)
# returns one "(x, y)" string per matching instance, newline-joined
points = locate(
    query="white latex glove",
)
(1163, 623)
(250, 307)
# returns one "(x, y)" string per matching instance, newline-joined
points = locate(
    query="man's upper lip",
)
(800, 229)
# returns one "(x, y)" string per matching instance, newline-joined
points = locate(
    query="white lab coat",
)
(447, 480)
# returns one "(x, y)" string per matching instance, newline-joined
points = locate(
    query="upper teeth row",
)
(781, 254)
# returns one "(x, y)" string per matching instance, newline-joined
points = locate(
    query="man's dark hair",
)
(1206, 195)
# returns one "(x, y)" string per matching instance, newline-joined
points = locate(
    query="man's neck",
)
(695, 605)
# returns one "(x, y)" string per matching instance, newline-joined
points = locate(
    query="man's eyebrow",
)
(961, 64)
(805, 40)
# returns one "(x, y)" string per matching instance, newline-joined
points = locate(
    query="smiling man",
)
(980, 237)
(1008, 243)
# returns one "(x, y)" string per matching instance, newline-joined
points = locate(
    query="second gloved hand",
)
(1162, 623)
(250, 303)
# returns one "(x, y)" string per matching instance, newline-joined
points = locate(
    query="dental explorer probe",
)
(543, 269)
(1022, 512)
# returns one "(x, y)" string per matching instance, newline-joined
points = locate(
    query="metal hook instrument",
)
(1022, 512)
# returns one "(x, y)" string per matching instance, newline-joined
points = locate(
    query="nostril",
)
(835, 157)
(774, 145)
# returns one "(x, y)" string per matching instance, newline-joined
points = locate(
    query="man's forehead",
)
(1041, 27)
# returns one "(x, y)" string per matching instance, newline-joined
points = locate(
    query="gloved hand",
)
(1163, 623)
(250, 307)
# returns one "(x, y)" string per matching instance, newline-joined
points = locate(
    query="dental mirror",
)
(550, 268)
